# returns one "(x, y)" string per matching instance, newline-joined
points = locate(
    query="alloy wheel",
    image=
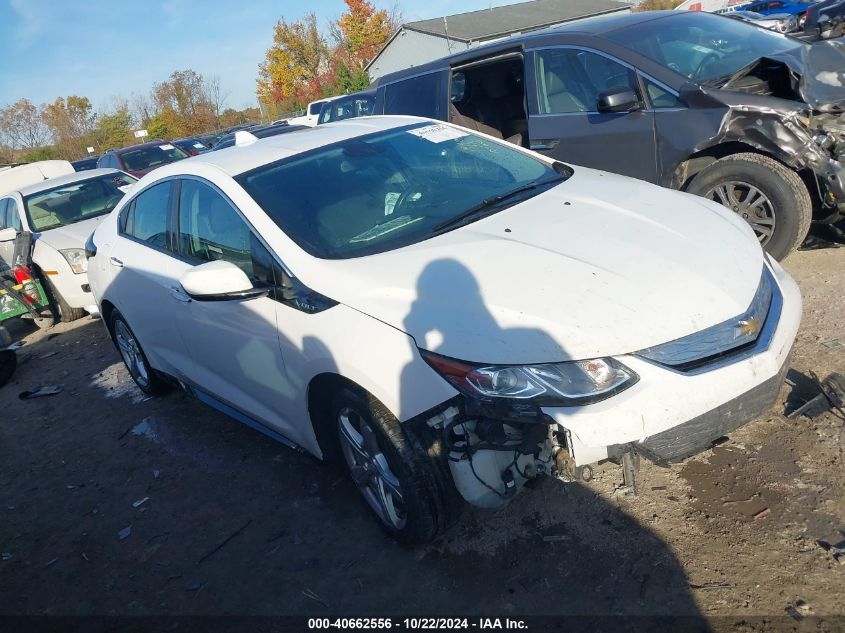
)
(131, 353)
(369, 468)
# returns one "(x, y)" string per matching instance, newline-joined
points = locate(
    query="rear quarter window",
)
(422, 96)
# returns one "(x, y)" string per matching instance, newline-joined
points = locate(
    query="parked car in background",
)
(192, 145)
(780, 22)
(797, 8)
(264, 131)
(347, 107)
(85, 163)
(688, 100)
(311, 116)
(142, 158)
(449, 315)
(61, 213)
(826, 19)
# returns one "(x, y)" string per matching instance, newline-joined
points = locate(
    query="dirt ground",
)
(113, 504)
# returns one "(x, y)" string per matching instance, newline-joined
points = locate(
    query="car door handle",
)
(114, 261)
(179, 295)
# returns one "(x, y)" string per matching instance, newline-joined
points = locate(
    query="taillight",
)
(23, 276)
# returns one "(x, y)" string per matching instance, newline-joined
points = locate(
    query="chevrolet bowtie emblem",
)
(746, 328)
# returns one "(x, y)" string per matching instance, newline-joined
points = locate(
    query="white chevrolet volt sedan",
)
(446, 314)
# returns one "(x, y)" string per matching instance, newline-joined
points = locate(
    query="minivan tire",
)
(430, 502)
(790, 200)
(66, 313)
(145, 377)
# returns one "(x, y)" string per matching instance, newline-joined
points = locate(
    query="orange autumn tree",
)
(302, 66)
(362, 31)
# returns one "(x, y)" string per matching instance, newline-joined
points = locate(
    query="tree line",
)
(301, 65)
(183, 105)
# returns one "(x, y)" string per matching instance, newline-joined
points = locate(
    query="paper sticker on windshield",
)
(125, 188)
(166, 146)
(384, 228)
(199, 145)
(437, 133)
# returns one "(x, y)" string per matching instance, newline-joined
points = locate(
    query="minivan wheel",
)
(765, 193)
(405, 485)
(66, 313)
(134, 358)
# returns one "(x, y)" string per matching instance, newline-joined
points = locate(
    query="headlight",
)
(76, 260)
(555, 384)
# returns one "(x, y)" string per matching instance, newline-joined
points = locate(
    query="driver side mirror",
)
(7, 235)
(219, 281)
(618, 100)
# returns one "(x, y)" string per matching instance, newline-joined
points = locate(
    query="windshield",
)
(706, 48)
(76, 201)
(381, 191)
(151, 156)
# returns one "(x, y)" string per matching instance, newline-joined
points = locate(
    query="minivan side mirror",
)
(618, 100)
(219, 281)
(7, 235)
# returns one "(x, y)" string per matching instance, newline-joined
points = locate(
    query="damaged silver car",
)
(689, 100)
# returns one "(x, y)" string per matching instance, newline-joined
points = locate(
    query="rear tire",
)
(786, 210)
(134, 358)
(400, 471)
(66, 314)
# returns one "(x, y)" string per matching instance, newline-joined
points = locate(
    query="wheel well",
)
(321, 391)
(106, 310)
(689, 168)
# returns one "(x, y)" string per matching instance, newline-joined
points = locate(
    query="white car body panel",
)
(606, 275)
(603, 281)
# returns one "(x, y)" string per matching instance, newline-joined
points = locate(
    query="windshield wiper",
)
(491, 202)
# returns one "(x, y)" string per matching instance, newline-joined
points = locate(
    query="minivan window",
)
(393, 188)
(571, 80)
(417, 96)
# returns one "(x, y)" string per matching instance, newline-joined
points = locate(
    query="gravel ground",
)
(115, 504)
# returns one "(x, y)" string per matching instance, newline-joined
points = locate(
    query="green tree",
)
(41, 153)
(112, 130)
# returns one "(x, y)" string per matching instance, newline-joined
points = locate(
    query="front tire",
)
(65, 314)
(770, 196)
(134, 358)
(400, 471)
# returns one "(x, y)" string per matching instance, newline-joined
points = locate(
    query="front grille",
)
(726, 341)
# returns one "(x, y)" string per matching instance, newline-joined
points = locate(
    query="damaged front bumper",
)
(670, 415)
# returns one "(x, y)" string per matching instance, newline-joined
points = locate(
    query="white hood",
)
(547, 281)
(70, 236)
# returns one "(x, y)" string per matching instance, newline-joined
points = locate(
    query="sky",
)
(103, 49)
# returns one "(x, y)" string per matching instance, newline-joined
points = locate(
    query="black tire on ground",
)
(66, 313)
(790, 200)
(431, 503)
(147, 379)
